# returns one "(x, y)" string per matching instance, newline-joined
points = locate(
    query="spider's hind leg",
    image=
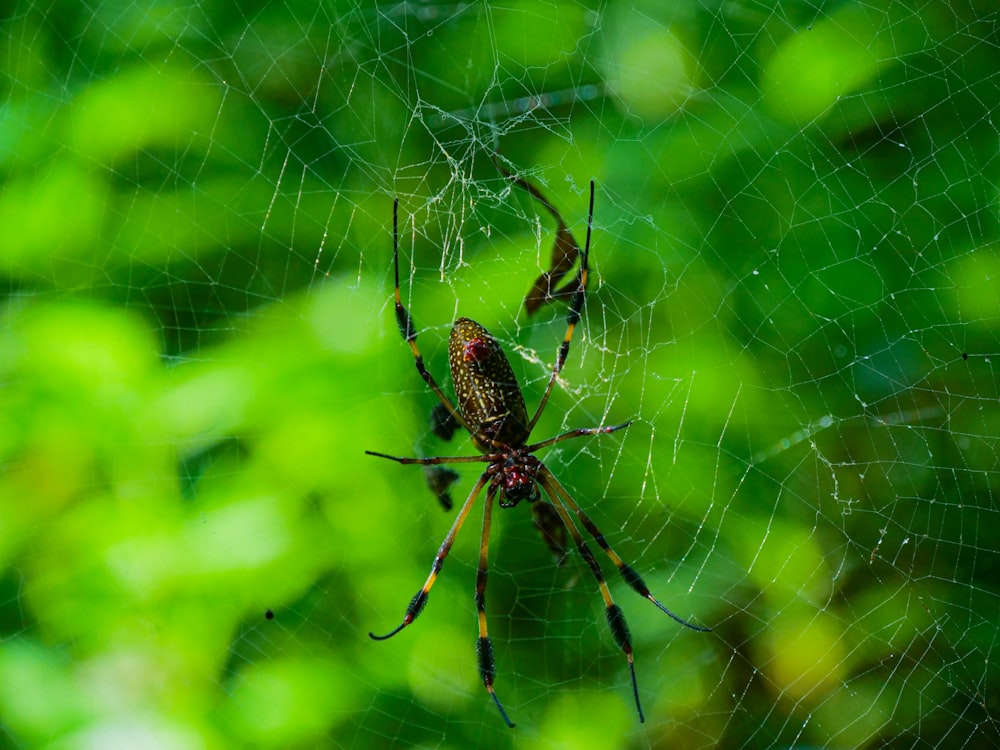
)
(408, 329)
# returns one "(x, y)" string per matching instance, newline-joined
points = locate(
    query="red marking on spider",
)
(476, 350)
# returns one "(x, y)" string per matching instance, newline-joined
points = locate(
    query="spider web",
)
(793, 296)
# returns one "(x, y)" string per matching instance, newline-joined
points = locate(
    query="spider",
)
(491, 408)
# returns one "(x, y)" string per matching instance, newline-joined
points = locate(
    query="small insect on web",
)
(491, 408)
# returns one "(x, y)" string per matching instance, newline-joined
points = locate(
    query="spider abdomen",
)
(489, 397)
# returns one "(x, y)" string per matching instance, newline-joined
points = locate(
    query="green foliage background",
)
(795, 297)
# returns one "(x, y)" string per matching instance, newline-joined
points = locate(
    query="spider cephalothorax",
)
(516, 479)
(491, 408)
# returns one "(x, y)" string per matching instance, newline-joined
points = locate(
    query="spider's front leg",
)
(419, 599)
(484, 646)
(563, 504)
(632, 578)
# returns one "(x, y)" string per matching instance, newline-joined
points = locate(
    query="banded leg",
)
(632, 578)
(484, 646)
(409, 331)
(419, 599)
(434, 460)
(581, 432)
(572, 317)
(616, 618)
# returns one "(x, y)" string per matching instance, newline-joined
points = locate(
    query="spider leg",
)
(409, 331)
(434, 459)
(572, 317)
(616, 618)
(484, 646)
(581, 432)
(632, 578)
(419, 599)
